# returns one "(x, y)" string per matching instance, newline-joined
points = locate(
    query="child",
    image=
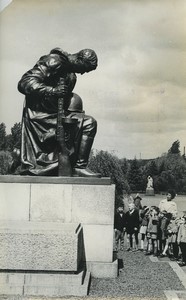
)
(162, 230)
(144, 216)
(132, 227)
(119, 227)
(182, 240)
(172, 230)
(137, 202)
(152, 231)
(168, 216)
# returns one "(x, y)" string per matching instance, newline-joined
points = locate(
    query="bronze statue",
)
(57, 135)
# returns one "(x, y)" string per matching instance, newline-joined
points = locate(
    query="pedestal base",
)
(54, 203)
(43, 284)
(40, 246)
(149, 192)
(103, 270)
(90, 203)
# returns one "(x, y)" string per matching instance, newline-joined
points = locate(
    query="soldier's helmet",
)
(75, 103)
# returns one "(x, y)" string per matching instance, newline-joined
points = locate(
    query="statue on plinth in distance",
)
(149, 189)
(150, 182)
(57, 135)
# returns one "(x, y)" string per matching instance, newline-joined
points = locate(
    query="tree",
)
(152, 168)
(16, 135)
(13, 140)
(2, 136)
(135, 176)
(161, 167)
(175, 148)
(109, 166)
(124, 166)
(5, 161)
(171, 172)
(10, 141)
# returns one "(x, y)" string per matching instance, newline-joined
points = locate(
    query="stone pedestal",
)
(49, 284)
(40, 246)
(42, 207)
(149, 192)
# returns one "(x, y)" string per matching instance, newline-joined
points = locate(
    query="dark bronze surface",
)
(51, 139)
(64, 165)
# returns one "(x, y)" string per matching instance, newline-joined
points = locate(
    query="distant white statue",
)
(150, 182)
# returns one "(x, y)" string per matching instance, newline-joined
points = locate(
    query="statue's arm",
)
(34, 82)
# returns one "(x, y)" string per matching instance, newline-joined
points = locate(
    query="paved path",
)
(142, 277)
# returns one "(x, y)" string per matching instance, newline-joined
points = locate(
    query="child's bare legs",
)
(142, 241)
(170, 250)
(149, 245)
(119, 240)
(129, 241)
(122, 240)
(155, 247)
(165, 248)
(136, 240)
(162, 244)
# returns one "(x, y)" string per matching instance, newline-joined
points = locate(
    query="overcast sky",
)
(137, 93)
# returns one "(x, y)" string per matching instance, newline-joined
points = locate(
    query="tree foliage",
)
(5, 161)
(168, 171)
(109, 166)
(14, 139)
(134, 175)
(172, 172)
(2, 136)
(8, 142)
(175, 148)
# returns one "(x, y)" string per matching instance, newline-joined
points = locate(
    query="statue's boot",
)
(81, 169)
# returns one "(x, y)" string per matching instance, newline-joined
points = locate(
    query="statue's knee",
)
(89, 126)
(93, 122)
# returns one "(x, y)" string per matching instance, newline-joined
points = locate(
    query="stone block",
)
(44, 284)
(51, 202)
(11, 290)
(98, 240)
(149, 192)
(12, 278)
(40, 246)
(93, 204)
(11, 283)
(57, 279)
(65, 289)
(14, 201)
(103, 269)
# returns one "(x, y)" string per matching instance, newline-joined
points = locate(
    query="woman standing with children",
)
(169, 208)
(164, 232)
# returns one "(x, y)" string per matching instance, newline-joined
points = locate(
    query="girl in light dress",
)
(144, 218)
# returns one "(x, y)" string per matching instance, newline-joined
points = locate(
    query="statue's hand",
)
(60, 90)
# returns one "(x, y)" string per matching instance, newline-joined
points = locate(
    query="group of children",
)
(160, 231)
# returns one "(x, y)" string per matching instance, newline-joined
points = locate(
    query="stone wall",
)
(59, 200)
(91, 204)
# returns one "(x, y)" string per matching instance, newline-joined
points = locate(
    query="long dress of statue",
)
(53, 77)
(150, 182)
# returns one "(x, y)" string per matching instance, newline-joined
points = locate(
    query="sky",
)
(138, 92)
